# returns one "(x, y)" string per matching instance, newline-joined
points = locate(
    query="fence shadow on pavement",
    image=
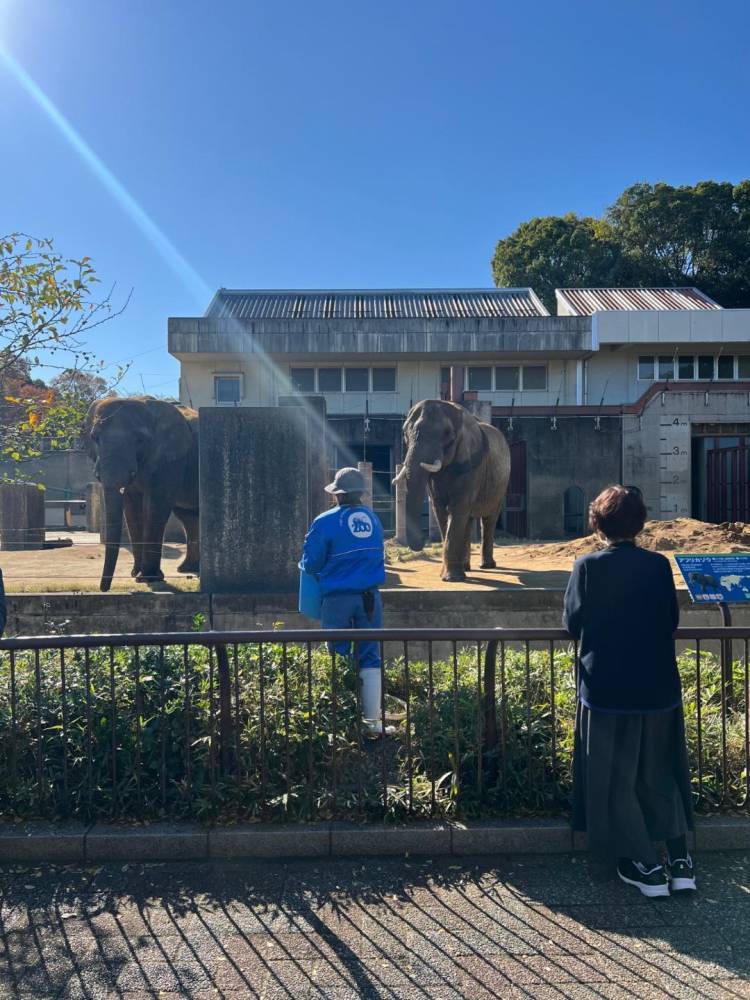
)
(370, 927)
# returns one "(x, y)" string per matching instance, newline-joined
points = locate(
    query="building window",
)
(302, 379)
(534, 377)
(384, 380)
(574, 510)
(506, 378)
(357, 379)
(329, 380)
(227, 389)
(705, 366)
(646, 368)
(743, 366)
(666, 368)
(480, 379)
(725, 366)
(686, 367)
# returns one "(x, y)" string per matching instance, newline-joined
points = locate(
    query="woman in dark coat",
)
(631, 781)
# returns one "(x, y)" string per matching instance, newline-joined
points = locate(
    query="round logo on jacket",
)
(360, 524)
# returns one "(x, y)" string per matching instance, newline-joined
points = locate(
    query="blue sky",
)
(296, 144)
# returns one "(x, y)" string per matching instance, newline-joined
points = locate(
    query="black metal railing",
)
(267, 724)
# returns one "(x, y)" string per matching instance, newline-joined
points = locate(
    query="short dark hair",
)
(349, 499)
(618, 512)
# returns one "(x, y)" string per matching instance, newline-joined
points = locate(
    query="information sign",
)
(721, 578)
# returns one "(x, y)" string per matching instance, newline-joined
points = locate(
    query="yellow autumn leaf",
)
(33, 419)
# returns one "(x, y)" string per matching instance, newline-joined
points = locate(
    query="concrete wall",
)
(575, 454)
(672, 326)
(657, 444)
(514, 607)
(64, 473)
(262, 470)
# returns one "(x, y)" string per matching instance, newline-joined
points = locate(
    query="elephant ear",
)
(88, 424)
(172, 437)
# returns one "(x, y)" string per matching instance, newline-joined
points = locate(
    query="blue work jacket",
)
(344, 550)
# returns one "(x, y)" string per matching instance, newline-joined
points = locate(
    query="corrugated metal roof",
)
(437, 303)
(585, 301)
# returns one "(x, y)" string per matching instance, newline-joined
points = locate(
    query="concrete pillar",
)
(260, 475)
(482, 410)
(400, 509)
(366, 469)
(433, 526)
(21, 517)
(94, 508)
(314, 425)
(457, 383)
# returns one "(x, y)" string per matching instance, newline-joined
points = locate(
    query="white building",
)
(649, 386)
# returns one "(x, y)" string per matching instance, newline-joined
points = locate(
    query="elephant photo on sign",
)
(145, 454)
(465, 465)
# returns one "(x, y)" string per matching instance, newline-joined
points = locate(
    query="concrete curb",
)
(71, 843)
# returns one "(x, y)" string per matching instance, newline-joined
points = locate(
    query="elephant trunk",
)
(112, 535)
(415, 494)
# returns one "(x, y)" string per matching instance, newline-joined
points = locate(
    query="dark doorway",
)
(574, 511)
(382, 500)
(513, 518)
(726, 494)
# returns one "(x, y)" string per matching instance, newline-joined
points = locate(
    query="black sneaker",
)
(652, 882)
(682, 875)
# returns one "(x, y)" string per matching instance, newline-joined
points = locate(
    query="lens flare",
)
(178, 264)
(161, 243)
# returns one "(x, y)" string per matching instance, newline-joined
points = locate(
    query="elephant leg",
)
(467, 544)
(156, 510)
(488, 540)
(189, 521)
(454, 548)
(133, 506)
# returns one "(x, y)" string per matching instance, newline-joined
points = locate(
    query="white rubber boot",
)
(371, 691)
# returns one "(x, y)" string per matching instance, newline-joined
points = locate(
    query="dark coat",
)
(622, 605)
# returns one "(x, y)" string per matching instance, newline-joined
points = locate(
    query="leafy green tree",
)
(47, 306)
(82, 386)
(47, 302)
(654, 234)
(556, 252)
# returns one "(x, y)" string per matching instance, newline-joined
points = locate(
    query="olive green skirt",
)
(631, 781)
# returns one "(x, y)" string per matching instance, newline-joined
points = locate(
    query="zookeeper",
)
(343, 550)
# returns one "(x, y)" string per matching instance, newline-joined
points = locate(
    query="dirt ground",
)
(530, 564)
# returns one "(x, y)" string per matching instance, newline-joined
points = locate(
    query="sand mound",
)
(681, 535)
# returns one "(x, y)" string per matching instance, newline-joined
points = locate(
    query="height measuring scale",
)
(674, 467)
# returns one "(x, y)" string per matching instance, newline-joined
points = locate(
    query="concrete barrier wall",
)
(38, 614)
(64, 473)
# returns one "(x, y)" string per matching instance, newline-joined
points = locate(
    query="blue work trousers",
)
(348, 611)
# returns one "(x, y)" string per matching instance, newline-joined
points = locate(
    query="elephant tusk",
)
(397, 479)
(432, 467)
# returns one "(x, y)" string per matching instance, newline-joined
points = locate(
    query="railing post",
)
(727, 672)
(225, 706)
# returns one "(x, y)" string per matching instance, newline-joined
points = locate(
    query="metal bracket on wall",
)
(597, 423)
(705, 399)
(554, 423)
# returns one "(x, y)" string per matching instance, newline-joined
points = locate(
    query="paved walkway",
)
(514, 927)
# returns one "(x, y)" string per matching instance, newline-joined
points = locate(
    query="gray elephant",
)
(145, 454)
(466, 466)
